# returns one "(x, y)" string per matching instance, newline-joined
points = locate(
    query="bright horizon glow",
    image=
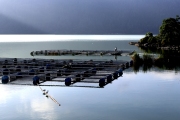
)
(42, 38)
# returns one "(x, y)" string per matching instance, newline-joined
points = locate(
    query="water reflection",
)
(164, 59)
(151, 93)
(42, 106)
(147, 68)
(133, 96)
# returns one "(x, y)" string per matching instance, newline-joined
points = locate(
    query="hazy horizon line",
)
(55, 37)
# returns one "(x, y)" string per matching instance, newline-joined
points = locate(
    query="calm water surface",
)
(153, 95)
(23, 49)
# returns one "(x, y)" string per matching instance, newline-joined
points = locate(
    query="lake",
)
(150, 95)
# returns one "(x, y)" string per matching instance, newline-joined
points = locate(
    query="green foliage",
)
(158, 39)
(149, 38)
(144, 40)
(170, 31)
(152, 40)
(149, 34)
(169, 38)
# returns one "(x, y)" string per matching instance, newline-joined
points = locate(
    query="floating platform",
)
(52, 72)
(80, 52)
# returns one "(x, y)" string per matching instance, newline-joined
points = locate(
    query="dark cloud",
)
(10, 26)
(87, 16)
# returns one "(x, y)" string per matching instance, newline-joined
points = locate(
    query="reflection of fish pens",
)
(44, 72)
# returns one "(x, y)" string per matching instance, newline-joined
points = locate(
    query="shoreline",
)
(148, 45)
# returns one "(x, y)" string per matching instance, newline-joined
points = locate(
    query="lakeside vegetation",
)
(147, 61)
(169, 35)
(166, 44)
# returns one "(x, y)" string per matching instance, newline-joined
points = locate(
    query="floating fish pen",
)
(80, 52)
(69, 72)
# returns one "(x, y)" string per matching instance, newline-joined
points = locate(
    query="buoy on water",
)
(101, 82)
(115, 75)
(131, 62)
(120, 72)
(109, 78)
(35, 80)
(127, 64)
(68, 81)
(5, 79)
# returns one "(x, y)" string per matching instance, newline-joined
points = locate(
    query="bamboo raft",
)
(80, 52)
(51, 72)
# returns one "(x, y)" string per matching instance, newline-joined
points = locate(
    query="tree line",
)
(169, 34)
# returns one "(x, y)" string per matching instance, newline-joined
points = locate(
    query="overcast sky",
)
(85, 16)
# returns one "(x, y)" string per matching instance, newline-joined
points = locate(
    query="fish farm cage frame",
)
(81, 52)
(40, 71)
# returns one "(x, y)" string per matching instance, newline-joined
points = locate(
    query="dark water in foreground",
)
(154, 95)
